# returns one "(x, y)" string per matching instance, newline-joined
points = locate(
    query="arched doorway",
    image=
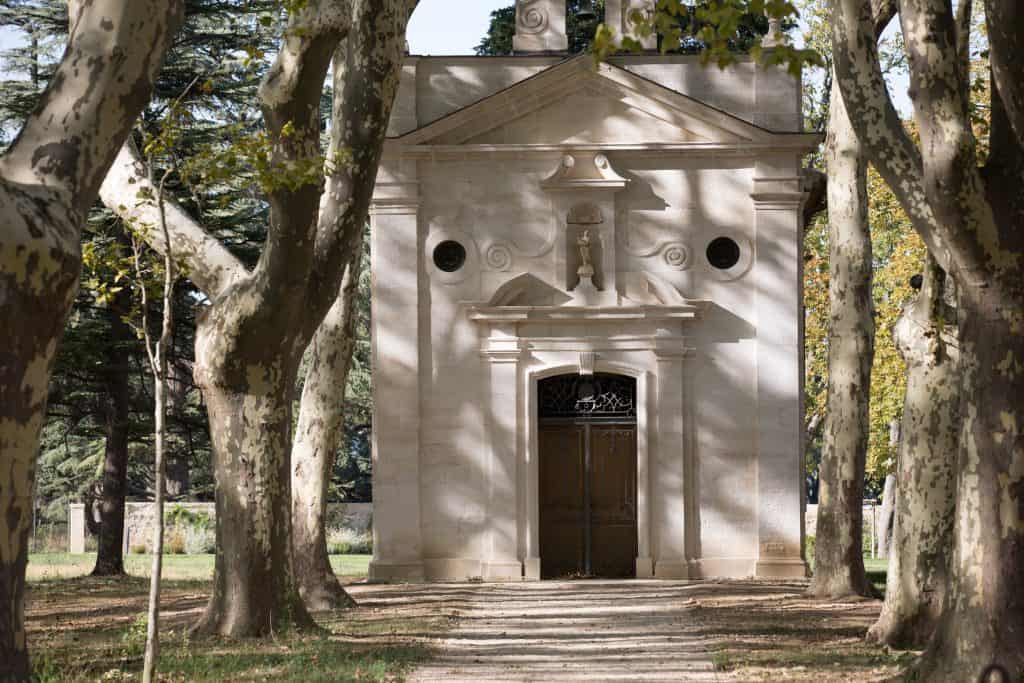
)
(588, 475)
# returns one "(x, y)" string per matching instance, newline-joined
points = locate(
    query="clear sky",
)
(450, 27)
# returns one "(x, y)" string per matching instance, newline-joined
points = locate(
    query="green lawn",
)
(84, 628)
(47, 566)
(876, 568)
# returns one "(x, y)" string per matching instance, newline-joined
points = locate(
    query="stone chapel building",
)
(587, 336)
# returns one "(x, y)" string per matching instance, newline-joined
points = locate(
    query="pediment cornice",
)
(712, 128)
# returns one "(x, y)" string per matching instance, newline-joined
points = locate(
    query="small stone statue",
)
(586, 269)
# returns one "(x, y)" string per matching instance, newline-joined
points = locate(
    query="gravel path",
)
(560, 631)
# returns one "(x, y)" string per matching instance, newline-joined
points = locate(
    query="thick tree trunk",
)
(39, 266)
(254, 593)
(249, 343)
(970, 219)
(48, 180)
(838, 555)
(317, 438)
(110, 542)
(983, 622)
(925, 495)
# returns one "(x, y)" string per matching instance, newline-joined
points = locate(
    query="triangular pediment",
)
(580, 102)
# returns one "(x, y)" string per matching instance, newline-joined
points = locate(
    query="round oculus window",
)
(449, 256)
(723, 253)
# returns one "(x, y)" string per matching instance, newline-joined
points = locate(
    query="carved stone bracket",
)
(583, 172)
(588, 360)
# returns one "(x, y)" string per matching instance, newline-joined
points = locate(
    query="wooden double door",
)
(588, 520)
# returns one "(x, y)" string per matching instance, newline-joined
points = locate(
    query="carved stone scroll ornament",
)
(676, 255)
(498, 256)
(531, 17)
(540, 26)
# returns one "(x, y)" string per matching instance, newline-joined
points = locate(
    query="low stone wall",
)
(138, 523)
(872, 514)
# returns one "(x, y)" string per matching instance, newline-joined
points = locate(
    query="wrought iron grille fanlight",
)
(598, 395)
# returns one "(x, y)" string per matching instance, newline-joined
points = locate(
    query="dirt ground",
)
(88, 629)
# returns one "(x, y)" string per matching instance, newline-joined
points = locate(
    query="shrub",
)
(345, 541)
(199, 541)
(180, 516)
(175, 544)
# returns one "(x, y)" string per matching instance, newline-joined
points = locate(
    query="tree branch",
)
(290, 95)
(115, 49)
(1005, 21)
(373, 53)
(128, 192)
(883, 12)
(873, 115)
(952, 182)
(963, 38)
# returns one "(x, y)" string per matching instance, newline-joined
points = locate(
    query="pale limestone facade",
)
(656, 156)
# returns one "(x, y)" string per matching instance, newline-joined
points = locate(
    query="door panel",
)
(562, 451)
(583, 496)
(613, 500)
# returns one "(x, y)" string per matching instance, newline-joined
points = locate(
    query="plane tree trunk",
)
(249, 342)
(248, 348)
(925, 494)
(317, 438)
(373, 53)
(49, 178)
(838, 556)
(970, 218)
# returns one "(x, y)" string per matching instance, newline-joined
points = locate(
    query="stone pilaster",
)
(616, 16)
(778, 279)
(668, 518)
(397, 544)
(502, 351)
(540, 26)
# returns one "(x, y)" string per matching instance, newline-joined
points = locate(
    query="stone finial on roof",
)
(540, 26)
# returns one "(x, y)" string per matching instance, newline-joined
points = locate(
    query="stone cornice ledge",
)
(693, 310)
(502, 350)
(779, 200)
(795, 142)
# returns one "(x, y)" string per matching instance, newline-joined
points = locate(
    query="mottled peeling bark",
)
(373, 53)
(249, 341)
(254, 593)
(925, 494)
(317, 438)
(128, 192)
(1003, 21)
(838, 559)
(248, 347)
(974, 233)
(49, 178)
